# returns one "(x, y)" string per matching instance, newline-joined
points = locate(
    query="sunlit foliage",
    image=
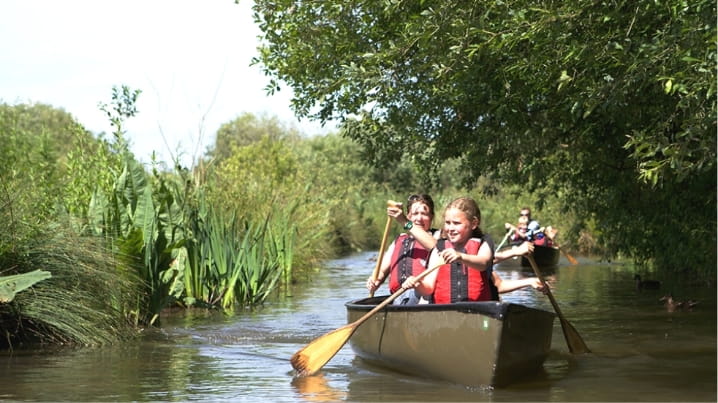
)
(610, 107)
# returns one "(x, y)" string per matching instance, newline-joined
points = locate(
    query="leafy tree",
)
(46, 149)
(53, 127)
(608, 105)
(34, 142)
(245, 130)
(346, 187)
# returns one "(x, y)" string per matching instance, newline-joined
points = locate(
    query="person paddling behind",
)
(409, 253)
(520, 232)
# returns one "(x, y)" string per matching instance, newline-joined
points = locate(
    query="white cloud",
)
(190, 59)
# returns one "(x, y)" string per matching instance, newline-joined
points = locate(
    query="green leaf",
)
(11, 285)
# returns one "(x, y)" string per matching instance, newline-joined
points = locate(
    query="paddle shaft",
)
(380, 258)
(503, 240)
(392, 297)
(575, 343)
(546, 287)
(314, 355)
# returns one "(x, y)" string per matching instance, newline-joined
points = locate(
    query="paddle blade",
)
(576, 345)
(314, 355)
(570, 258)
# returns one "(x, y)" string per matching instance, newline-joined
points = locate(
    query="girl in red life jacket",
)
(463, 277)
(409, 253)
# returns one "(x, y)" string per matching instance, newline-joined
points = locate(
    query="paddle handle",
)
(379, 259)
(393, 296)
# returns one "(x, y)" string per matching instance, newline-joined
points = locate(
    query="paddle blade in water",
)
(575, 342)
(573, 339)
(314, 355)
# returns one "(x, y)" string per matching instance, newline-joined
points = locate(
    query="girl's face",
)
(458, 227)
(420, 215)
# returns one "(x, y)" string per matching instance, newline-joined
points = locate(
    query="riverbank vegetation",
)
(117, 241)
(618, 154)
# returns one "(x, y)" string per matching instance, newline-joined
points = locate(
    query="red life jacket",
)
(458, 282)
(516, 238)
(409, 259)
(540, 239)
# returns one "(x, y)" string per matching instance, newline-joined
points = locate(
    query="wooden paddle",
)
(375, 273)
(379, 259)
(570, 258)
(503, 240)
(314, 355)
(573, 339)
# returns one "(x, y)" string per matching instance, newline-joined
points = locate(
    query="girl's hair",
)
(421, 198)
(471, 209)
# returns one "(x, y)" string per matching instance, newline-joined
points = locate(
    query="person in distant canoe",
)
(409, 253)
(520, 232)
(533, 224)
(468, 257)
(528, 229)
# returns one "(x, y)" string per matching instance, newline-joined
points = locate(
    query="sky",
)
(190, 58)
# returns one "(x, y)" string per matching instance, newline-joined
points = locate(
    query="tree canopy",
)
(609, 104)
(247, 129)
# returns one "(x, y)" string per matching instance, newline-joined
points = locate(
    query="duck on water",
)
(673, 305)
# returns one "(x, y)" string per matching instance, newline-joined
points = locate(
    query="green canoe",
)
(468, 343)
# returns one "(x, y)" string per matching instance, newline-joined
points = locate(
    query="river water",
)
(640, 351)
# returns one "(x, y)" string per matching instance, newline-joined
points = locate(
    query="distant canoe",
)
(544, 256)
(468, 343)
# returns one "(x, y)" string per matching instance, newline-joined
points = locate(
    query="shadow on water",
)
(641, 352)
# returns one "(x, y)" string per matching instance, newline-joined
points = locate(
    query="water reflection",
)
(316, 389)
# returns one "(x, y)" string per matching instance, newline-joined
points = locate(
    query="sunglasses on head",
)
(422, 197)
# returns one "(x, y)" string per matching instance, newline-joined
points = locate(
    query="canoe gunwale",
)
(493, 309)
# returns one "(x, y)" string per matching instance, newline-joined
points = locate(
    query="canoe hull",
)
(473, 344)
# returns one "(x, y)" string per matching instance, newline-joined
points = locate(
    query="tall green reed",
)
(233, 261)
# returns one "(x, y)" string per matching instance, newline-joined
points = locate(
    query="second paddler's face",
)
(420, 214)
